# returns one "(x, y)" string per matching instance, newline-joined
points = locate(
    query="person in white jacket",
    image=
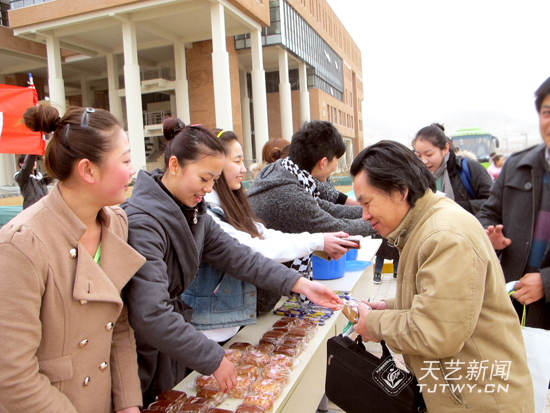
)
(235, 303)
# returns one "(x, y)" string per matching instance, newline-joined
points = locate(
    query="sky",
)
(423, 59)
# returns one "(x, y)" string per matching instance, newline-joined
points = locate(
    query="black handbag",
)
(358, 381)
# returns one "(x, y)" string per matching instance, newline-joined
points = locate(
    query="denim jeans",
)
(379, 265)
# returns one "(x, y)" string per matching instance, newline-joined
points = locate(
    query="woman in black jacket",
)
(469, 187)
(169, 226)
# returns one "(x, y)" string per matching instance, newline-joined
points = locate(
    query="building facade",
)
(261, 68)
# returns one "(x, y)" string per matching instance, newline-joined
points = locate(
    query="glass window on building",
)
(4, 7)
(272, 81)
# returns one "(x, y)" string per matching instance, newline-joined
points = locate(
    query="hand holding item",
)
(317, 293)
(498, 240)
(529, 288)
(337, 244)
(361, 326)
(226, 375)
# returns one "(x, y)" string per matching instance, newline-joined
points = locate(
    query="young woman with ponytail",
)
(66, 342)
(435, 150)
(228, 205)
(169, 225)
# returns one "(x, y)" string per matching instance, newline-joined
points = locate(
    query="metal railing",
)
(17, 4)
(155, 118)
(158, 73)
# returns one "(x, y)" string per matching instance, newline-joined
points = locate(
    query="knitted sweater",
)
(279, 200)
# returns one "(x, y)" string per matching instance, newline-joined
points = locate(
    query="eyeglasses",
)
(84, 123)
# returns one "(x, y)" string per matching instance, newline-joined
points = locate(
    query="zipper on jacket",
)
(458, 400)
(533, 218)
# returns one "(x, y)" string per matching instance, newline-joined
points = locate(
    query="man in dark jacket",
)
(285, 197)
(517, 218)
(31, 182)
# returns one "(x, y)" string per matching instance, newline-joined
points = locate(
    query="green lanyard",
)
(97, 255)
(524, 309)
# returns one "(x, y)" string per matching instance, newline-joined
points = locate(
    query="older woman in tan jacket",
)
(66, 343)
(451, 318)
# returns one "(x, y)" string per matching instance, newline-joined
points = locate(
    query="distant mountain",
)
(512, 133)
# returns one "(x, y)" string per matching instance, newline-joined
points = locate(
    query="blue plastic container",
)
(352, 254)
(328, 270)
(356, 265)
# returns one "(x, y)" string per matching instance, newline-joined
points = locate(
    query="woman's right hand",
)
(335, 246)
(226, 375)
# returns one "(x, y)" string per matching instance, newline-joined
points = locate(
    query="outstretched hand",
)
(226, 376)
(497, 238)
(317, 293)
(335, 246)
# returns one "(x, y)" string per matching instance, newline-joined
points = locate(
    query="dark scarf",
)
(302, 265)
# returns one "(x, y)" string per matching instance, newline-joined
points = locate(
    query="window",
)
(4, 14)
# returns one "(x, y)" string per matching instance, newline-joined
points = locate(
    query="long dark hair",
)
(234, 202)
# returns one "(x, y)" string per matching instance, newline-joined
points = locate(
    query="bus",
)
(478, 141)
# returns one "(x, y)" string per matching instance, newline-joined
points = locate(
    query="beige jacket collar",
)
(119, 261)
(400, 235)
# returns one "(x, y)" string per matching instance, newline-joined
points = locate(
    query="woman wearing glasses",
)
(66, 343)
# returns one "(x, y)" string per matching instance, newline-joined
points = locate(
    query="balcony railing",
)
(158, 73)
(155, 118)
(17, 4)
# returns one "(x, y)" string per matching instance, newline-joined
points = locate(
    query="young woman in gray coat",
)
(168, 224)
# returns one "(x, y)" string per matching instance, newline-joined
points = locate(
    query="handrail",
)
(155, 118)
(158, 73)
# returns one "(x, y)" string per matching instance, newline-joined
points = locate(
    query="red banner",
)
(15, 137)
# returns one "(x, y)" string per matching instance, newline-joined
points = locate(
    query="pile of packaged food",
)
(263, 370)
(293, 307)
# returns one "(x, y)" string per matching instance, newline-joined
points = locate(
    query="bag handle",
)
(358, 346)
(524, 310)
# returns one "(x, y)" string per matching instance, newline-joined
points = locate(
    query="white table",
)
(307, 384)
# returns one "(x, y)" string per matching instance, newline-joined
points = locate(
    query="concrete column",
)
(305, 112)
(132, 84)
(259, 94)
(220, 65)
(173, 106)
(245, 116)
(56, 85)
(285, 96)
(85, 92)
(182, 86)
(115, 103)
(7, 168)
